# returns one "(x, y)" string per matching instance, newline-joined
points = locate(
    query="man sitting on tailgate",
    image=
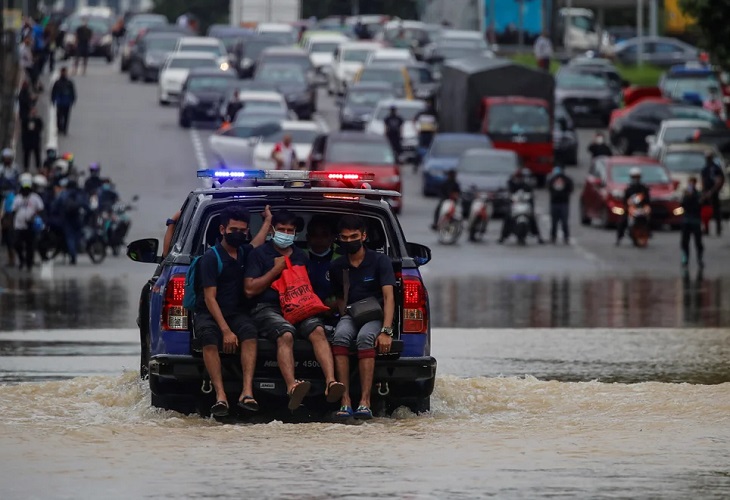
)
(220, 321)
(264, 266)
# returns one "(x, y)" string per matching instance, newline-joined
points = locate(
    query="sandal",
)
(363, 413)
(219, 409)
(248, 403)
(297, 394)
(335, 391)
(344, 413)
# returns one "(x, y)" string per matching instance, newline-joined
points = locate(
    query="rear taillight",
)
(415, 313)
(174, 315)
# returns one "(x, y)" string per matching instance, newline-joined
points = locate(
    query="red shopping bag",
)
(706, 214)
(298, 300)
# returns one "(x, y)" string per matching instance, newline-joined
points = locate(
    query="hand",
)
(230, 341)
(267, 213)
(279, 264)
(383, 343)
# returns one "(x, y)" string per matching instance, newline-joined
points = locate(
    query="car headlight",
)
(617, 210)
(224, 66)
(678, 211)
(191, 99)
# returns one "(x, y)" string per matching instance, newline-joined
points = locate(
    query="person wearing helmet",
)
(94, 182)
(634, 187)
(26, 207)
(51, 157)
(519, 182)
(40, 186)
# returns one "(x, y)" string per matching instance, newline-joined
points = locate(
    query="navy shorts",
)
(208, 332)
(272, 325)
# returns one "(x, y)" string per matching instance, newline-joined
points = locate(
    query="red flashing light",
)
(341, 176)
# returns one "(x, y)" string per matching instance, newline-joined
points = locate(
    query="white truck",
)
(250, 13)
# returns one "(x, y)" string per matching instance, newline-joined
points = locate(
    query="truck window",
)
(518, 119)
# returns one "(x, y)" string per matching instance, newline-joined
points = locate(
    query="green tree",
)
(713, 27)
(206, 11)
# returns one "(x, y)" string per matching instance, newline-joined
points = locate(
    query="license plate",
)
(581, 109)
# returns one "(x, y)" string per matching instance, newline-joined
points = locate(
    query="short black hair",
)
(284, 217)
(352, 222)
(234, 213)
(321, 221)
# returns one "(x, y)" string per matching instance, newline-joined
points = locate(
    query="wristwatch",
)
(387, 330)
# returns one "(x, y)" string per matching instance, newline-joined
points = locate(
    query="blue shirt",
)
(366, 280)
(261, 261)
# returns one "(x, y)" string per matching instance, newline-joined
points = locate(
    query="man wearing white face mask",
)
(264, 266)
(599, 147)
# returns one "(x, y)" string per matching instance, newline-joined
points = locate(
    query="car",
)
(231, 36)
(443, 155)
(425, 86)
(335, 24)
(250, 50)
(684, 160)
(586, 95)
(565, 140)
(149, 54)
(602, 68)
(657, 51)
(405, 34)
(349, 58)
(488, 171)
(395, 74)
(204, 44)
(171, 357)
(202, 93)
(133, 27)
(233, 145)
(390, 55)
(673, 131)
(470, 41)
(292, 55)
(101, 44)
(285, 32)
(265, 101)
(290, 80)
(407, 111)
(175, 71)
(360, 102)
(321, 47)
(449, 50)
(303, 134)
(602, 197)
(360, 153)
(629, 129)
(692, 79)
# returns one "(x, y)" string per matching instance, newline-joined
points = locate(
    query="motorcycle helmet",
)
(94, 167)
(7, 154)
(635, 172)
(40, 181)
(61, 166)
(69, 157)
(26, 180)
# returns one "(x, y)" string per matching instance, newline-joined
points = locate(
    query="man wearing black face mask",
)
(220, 322)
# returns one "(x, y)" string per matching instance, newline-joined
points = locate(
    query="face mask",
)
(317, 254)
(236, 240)
(351, 247)
(635, 180)
(25, 191)
(283, 240)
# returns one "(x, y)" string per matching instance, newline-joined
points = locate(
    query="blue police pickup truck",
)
(170, 358)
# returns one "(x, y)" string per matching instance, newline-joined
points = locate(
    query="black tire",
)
(133, 77)
(96, 250)
(184, 121)
(477, 231)
(123, 66)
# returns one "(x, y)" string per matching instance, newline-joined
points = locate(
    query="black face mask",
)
(351, 247)
(25, 191)
(236, 240)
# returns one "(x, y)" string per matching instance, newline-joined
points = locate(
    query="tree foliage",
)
(713, 25)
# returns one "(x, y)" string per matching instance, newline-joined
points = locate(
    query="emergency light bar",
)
(284, 175)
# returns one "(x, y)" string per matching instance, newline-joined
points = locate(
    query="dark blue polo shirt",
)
(228, 283)
(367, 280)
(261, 261)
(319, 273)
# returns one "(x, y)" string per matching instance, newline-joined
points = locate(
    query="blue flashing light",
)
(232, 174)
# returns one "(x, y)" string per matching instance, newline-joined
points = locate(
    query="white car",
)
(349, 58)
(302, 133)
(407, 110)
(205, 44)
(175, 71)
(234, 145)
(673, 131)
(263, 101)
(321, 48)
(389, 55)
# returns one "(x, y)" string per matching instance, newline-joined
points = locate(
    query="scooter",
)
(476, 205)
(449, 225)
(639, 214)
(521, 215)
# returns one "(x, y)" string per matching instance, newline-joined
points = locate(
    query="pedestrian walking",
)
(561, 188)
(393, 125)
(63, 96)
(30, 137)
(692, 222)
(83, 45)
(50, 34)
(713, 178)
(543, 51)
(26, 101)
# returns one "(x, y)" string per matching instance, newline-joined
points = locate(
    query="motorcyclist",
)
(426, 122)
(94, 181)
(599, 147)
(519, 182)
(393, 124)
(634, 187)
(108, 196)
(71, 208)
(450, 190)
(713, 179)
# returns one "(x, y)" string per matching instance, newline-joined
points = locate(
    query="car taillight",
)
(174, 315)
(415, 314)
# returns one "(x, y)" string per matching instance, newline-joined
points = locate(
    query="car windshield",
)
(255, 47)
(575, 80)
(367, 97)
(701, 84)
(679, 134)
(324, 47)
(650, 174)
(369, 153)
(454, 146)
(164, 44)
(406, 112)
(518, 119)
(382, 75)
(98, 26)
(191, 62)
(487, 164)
(356, 55)
(210, 49)
(252, 105)
(695, 113)
(208, 83)
(297, 136)
(280, 74)
(685, 161)
(303, 62)
(251, 118)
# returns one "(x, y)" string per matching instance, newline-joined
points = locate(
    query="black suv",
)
(171, 357)
(203, 94)
(150, 53)
(293, 82)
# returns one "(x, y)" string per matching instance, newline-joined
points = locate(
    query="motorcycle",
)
(476, 205)
(110, 228)
(449, 225)
(639, 214)
(521, 215)
(52, 242)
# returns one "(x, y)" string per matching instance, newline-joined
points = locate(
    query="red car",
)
(358, 153)
(603, 193)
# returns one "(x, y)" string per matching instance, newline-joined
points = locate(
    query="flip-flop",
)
(219, 409)
(335, 391)
(343, 413)
(248, 403)
(297, 394)
(363, 413)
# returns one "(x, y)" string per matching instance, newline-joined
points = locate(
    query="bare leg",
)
(342, 365)
(367, 369)
(213, 365)
(323, 353)
(248, 365)
(285, 357)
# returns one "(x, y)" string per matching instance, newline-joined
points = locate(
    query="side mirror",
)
(145, 251)
(421, 254)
